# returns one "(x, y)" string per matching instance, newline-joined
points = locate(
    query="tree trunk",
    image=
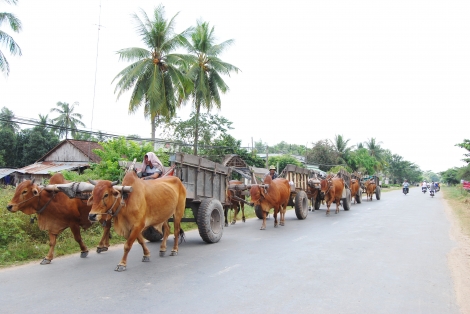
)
(153, 126)
(196, 130)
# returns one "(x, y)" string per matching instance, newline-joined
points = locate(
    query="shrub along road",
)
(386, 256)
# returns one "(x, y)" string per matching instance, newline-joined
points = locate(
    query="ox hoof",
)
(84, 254)
(101, 249)
(146, 259)
(120, 268)
(45, 261)
(262, 228)
(243, 219)
(233, 222)
(281, 223)
(162, 253)
(174, 253)
(226, 225)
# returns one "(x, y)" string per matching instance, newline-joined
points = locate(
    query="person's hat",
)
(272, 168)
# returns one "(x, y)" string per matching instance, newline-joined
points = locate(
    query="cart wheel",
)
(347, 201)
(210, 220)
(377, 193)
(301, 205)
(152, 234)
(258, 212)
(359, 197)
(317, 204)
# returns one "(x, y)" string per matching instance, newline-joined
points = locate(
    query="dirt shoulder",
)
(459, 259)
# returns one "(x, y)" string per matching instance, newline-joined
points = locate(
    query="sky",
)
(397, 71)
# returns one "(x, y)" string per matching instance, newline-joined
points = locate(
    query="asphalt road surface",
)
(386, 256)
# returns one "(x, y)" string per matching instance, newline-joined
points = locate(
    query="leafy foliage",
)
(465, 145)
(68, 120)
(281, 162)
(323, 154)
(8, 41)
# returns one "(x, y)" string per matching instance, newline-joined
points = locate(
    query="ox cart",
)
(298, 181)
(314, 183)
(374, 178)
(346, 197)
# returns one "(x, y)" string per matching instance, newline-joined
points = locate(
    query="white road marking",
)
(299, 238)
(227, 269)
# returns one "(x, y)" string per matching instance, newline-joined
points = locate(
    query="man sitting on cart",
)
(152, 167)
(272, 172)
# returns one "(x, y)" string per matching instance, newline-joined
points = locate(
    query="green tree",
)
(206, 70)
(156, 81)
(8, 147)
(7, 40)
(68, 120)
(7, 120)
(450, 176)
(465, 145)
(282, 161)
(341, 146)
(324, 155)
(360, 160)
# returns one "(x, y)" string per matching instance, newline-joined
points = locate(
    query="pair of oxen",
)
(133, 207)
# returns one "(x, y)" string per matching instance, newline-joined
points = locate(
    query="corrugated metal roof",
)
(47, 167)
(6, 171)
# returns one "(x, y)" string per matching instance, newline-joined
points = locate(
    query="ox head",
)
(103, 200)
(26, 198)
(258, 193)
(325, 186)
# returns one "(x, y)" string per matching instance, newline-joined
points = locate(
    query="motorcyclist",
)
(432, 187)
(424, 186)
(406, 186)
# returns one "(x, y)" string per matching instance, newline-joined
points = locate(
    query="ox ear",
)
(90, 201)
(116, 193)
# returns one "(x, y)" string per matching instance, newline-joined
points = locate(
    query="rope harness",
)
(109, 212)
(39, 200)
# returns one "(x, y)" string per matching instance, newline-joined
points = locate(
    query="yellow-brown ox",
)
(150, 203)
(55, 212)
(370, 188)
(331, 191)
(234, 203)
(355, 189)
(273, 194)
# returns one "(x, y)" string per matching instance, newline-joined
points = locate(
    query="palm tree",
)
(6, 120)
(205, 71)
(376, 151)
(67, 119)
(7, 40)
(154, 77)
(341, 146)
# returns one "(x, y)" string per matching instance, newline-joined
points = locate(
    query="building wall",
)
(66, 152)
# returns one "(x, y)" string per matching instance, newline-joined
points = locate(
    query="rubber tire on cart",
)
(359, 196)
(210, 220)
(301, 205)
(347, 201)
(377, 193)
(152, 234)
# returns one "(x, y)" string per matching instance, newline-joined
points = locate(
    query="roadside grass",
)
(459, 201)
(22, 241)
(391, 188)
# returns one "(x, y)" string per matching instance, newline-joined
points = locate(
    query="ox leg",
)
(226, 209)
(104, 242)
(50, 254)
(337, 206)
(78, 237)
(236, 210)
(166, 233)
(243, 211)
(328, 204)
(140, 239)
(177, 226)
(263, 226)
(283, 214)
(276, 210)
(135, 232)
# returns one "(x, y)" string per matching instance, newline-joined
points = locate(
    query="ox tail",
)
(181, 236)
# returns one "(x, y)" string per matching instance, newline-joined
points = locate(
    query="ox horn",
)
(32, 180)
(114, 183)
(92, 181)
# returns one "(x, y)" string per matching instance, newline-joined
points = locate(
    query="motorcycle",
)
(406, 190)
(424, 189)
(431, 193)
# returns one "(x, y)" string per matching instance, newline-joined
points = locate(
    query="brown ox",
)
(313, 193)
(150, 203)
(234, 204)
(354, 189)
(331, 192)
(276, 195)
(370, 188)
(56, 212)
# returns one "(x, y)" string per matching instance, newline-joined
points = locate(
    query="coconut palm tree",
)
(154, 77)
(376, 151)
(6, 120)
(205, 70)
(68, 120)
(341, 146)
(7, 40)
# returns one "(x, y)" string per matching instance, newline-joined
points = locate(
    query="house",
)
(67, 155)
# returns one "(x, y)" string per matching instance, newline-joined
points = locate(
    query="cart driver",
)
(272, 172)
(152, 167)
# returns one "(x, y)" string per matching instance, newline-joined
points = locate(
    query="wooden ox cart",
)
(374, 178)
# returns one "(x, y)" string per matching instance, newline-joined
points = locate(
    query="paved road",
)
(386, 256)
